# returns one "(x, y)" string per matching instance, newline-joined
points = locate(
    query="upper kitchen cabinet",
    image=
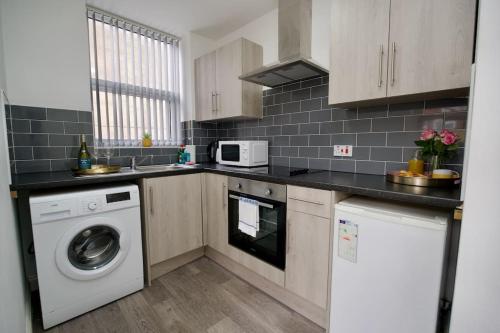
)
(431, 45)
(219, 92)
(204, 74)
(358, 67)
(400, 49)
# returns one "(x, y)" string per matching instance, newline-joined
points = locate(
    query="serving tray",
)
(422, 181)
(97, 169)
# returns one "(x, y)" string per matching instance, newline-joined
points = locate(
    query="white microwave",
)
(243, 153)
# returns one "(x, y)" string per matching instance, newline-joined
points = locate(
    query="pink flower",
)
(428, 134)
(448, 137)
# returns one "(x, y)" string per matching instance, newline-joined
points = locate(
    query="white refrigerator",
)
(387, 267)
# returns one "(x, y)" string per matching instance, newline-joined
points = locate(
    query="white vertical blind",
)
(135, 82)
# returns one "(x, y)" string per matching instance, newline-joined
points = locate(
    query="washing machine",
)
(88, 249)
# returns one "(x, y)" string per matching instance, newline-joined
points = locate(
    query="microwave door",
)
(230, 153)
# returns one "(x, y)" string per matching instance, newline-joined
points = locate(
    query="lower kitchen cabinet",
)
(307, 257)
(172, 213)
(215, 211)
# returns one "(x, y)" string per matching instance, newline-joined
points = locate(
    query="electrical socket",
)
(342, 150)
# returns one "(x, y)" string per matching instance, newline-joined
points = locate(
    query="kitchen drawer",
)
(309, 201)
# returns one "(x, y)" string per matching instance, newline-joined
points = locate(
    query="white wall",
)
(46, 53)
(13, 294)
(264, 31)
(477, 289)
(3, 84)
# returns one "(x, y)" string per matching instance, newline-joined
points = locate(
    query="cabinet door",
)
(308, 249)
(173, 215)
(215, 202)
(229, 86)
(204, 72)
(358, 59)
(433, 44)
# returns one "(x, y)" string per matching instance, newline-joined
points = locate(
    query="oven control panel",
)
(257, 188)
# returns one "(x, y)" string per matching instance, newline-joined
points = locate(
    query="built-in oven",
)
(269, 243)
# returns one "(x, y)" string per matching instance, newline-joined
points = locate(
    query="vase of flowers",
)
(437, 147)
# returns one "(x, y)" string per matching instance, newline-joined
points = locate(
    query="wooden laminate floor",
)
(199, 297)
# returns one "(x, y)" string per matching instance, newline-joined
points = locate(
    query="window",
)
(135, 82)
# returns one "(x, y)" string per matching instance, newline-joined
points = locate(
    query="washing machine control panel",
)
(91, 205)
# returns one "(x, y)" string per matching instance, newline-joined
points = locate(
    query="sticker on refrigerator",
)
(348, 240)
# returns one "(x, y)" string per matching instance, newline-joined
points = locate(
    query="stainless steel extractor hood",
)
(294, 36)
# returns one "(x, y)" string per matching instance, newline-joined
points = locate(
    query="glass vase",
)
(434, 163)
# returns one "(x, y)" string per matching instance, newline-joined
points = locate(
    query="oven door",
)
(269, 243)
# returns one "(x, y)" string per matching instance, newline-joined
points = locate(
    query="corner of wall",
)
(3, 81)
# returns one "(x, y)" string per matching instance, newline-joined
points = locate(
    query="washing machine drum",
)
(92, 249)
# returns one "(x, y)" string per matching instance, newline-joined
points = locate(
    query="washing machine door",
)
(92, 249)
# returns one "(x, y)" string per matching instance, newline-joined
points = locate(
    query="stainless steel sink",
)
(161, 167)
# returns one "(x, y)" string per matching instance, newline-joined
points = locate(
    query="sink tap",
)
(133, 164)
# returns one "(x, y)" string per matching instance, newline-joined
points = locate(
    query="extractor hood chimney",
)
(294, 48)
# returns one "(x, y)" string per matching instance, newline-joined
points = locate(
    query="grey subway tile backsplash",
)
(62, 115)
(23, 153)
(302, 128)
(309, 152)
(371, 139)
(298, 162)
(298, 123)
(310, 128)
(320, 140)
(84, 117)
(310, 104)
(38, 141)
(357, 126)
(320, 115)
(416, 123)
(343, 165)
(301, 94)
(370, 167)
(20, 126)
(42, 153)
(27, 112)
(319, 163)
(30, 140)
(32, 166)
(46, 126)
(386, 154)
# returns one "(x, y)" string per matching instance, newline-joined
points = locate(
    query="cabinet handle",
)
(381, 57)
(308, 201)
(217, 102)
(224, 197)
(214, 104)
(393, 79)
(287, 238)
(151, 209)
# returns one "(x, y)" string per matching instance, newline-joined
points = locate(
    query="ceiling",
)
(209, 18)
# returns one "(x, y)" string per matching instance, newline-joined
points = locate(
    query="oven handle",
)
(232, 196)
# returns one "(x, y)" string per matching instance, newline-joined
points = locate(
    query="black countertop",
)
(361, 184)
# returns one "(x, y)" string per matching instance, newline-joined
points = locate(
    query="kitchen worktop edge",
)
(374, 186)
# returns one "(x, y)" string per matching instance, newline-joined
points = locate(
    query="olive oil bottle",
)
(84, 158)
